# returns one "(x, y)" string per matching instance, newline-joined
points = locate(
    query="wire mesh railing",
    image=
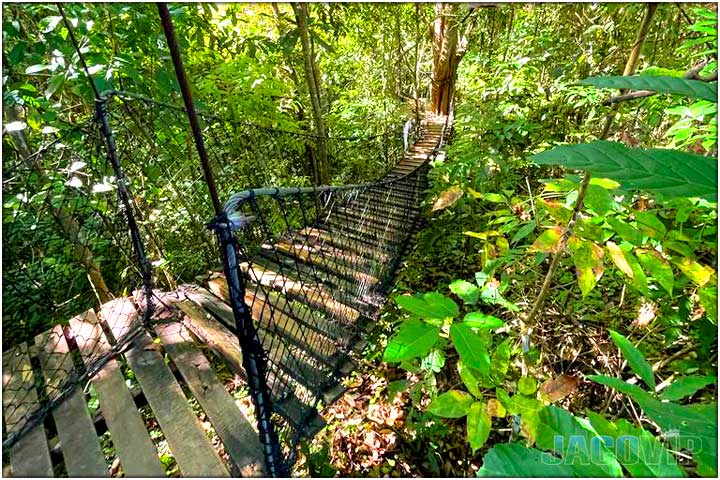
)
(70, 256)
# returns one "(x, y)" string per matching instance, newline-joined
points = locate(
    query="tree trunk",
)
(313, 81)
(65, 221)
(632, 61)
(634, 57)
(445, 58)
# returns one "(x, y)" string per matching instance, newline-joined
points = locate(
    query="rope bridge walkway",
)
(308, 267)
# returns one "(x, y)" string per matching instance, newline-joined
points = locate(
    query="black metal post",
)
(254, 361)
(124, 194)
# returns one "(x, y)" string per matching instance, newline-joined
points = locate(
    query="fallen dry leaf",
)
(447, 198)
(559, 388)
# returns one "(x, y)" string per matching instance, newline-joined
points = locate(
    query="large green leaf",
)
(576, 443)
(472, 348)
(690, 427)
(478, 425)
(429, 305)
(468, 292)
(514, 460)
(635, 359)
(686, 386)
(413, 339)
(481, 320)
(667, 172)
(452, 404)
(637, 449)
(469, 378)
(660, 84)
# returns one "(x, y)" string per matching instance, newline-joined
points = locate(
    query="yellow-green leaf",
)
(548, 241)
(478, 426)
(618, 257)
(696, 272)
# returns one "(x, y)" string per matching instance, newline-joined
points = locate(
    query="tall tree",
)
(312, 77)
(449, 47)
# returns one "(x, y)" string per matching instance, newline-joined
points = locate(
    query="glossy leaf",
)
(668, 172)
(636, 449)
(700, 274)
(635, 359)
(471, 348)
(618, 257)
(515, 460)
(481, 320)
(527, 385)
(478, 426)
(548, 241)
(429, 305)
(414, 339)
(577, 444)
(468, 292)
(687, 386)
(469, 378)
(660, 84)
(523, 232)
(452, 404)
(626, 231)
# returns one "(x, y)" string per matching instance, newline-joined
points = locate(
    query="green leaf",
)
(515, 460)
(709, 301)
(635, 359)
(636, 449)
(468, 292)
(480, 320)
(576, 443)
(434, 361)
(491, 294)
(478, 426)
(429, 305)
(452, 404)
(650, 225)
(658, 267)
(500, 361)
(618, 384)
(626, 231)
(687, 386)
(660, 84)
(598, 199)
(523, 232)
(414, 339)
(471, 348)
(469, 378)
(671, 173)
(527, 385)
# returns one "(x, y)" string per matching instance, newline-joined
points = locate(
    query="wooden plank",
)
(219, 339)
(235, 431)
(30, 456)
(136, 451)
(183, 431)
(120, 315)
(81, 449)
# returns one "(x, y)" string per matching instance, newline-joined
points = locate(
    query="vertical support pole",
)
(254, 361)
(101, 112)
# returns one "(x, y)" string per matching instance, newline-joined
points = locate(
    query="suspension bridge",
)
(313, 284)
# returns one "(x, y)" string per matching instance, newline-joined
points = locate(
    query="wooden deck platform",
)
(165, 397)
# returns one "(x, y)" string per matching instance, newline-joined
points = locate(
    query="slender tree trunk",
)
(65, 221)
(312, 77)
